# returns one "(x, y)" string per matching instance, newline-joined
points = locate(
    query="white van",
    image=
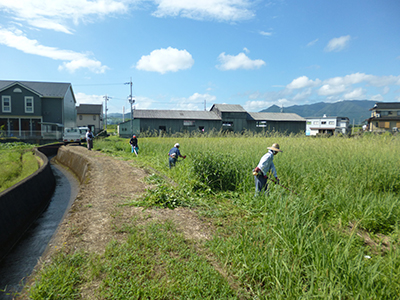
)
(71, 135)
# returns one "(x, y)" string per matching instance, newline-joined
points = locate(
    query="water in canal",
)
(19, 264)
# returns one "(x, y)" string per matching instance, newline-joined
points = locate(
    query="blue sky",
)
(190, 54)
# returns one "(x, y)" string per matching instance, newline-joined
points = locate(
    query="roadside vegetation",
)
(336, 238)
(17, 162)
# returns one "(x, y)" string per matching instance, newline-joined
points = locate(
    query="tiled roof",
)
(386, 105)
(175, 114)
(45, 89)
(83, 109)
(265, 116)
(228, 107)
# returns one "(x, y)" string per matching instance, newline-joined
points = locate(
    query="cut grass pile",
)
(280, 246)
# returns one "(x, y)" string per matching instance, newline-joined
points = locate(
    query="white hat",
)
(176, 145)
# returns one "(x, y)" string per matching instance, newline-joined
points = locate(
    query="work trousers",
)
(89, 144)
(172, 162)
(261, 184)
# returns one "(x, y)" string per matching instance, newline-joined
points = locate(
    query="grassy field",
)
(338, 238)
(17, 162)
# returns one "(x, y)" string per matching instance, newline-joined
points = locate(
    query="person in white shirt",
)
(89, 139)
(265, 166)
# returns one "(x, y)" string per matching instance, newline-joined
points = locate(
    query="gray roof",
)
(386, 105)
(265, 116)
(44, 89)
(90, 109)
(175, 114)
(228, 107)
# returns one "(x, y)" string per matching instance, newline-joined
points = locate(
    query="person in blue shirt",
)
(173, 154)
(265, 166)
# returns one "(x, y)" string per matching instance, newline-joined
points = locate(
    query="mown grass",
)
(280, 246)
(17, 162)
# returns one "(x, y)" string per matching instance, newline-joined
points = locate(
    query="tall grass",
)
(281, 246)
(16, 163)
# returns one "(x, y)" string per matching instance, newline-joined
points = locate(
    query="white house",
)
(327, 125)
(90, 115)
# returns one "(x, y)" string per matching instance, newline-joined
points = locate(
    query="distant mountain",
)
(357, 110)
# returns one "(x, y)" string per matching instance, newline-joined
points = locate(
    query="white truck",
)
(71, 135)
(82, 131)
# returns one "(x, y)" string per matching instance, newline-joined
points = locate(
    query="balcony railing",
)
(34, 134)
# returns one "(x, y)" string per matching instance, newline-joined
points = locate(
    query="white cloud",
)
(220, 10)
(16, 39)
(303, 95)
(302, 82)
(376, 97)
(386, 90)
(329, 90)
(83, 98)
(240, 61)
(165, 60)
(265, 33)
(257, 105)
(356, 94)
(194, 102)
(338, 44)
(54, 14)
(312, 43)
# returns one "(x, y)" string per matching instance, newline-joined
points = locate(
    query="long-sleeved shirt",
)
(266, 164)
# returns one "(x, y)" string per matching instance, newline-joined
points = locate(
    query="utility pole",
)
(131, 101)
(123, 114)
(105, 101)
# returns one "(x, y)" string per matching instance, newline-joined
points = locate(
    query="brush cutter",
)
(282, 186)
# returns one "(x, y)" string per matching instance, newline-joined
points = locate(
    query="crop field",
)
(17, 162)
(333, 233)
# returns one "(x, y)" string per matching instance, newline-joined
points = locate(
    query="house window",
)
(29, 105)
(331, 122)
(6, 103)
(309, 122)
(227, 124)
(261, 124)
(315, 122)
(398, 112)
(80, 117)
(94, 117)
(323, 123)
(384, 113)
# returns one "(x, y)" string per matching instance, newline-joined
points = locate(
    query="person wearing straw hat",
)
(265, 166)
(173, 154)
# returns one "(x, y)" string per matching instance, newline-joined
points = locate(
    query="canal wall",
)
(22, 204)
(76, 163)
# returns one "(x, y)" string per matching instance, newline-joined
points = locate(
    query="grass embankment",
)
(339, 238)
(17, 162)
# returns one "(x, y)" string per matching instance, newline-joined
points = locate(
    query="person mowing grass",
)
(173, 154)
(265, 166)
(134, 144)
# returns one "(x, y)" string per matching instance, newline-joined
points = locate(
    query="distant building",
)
(90, 115)
(327, 125)
(385, 116)
(36, 110)
(221, 117)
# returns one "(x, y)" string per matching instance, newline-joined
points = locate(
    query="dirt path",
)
(97, 209)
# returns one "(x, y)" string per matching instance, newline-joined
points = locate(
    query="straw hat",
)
(275, 147)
